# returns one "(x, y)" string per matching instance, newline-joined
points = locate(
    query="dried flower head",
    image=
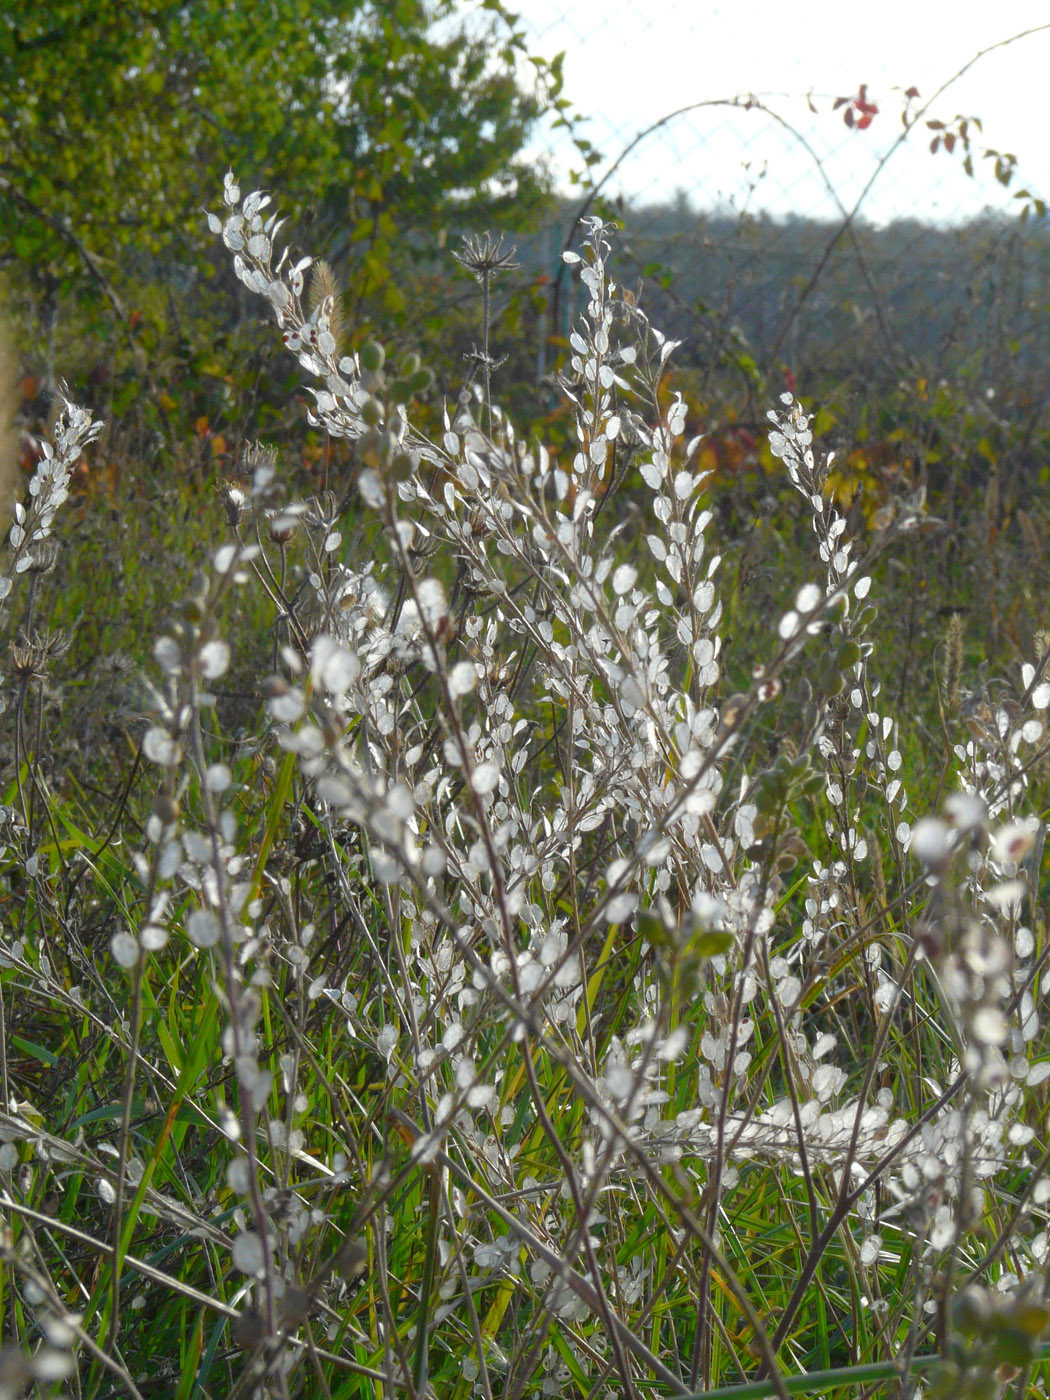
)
(281, 525)
(234, 500)
(259, 468)
(44, 558)
(483, 257)
(30, 656)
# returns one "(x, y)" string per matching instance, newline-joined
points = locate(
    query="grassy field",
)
(513, 924)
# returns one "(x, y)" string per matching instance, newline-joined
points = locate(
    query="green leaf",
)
(711, 943)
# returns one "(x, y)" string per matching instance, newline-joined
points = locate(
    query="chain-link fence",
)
(810, 235)
(647, 82)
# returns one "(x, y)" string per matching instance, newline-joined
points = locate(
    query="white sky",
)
(630, 62)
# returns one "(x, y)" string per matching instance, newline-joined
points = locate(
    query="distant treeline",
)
(816, 299)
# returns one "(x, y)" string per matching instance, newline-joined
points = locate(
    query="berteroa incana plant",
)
(557, 1007)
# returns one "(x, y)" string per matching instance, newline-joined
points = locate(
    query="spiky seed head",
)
(483, 256)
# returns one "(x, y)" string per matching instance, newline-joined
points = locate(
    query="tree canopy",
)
(376, 117)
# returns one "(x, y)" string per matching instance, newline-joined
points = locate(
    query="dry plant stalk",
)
(8, 431)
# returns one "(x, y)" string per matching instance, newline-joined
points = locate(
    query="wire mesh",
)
(802, 227)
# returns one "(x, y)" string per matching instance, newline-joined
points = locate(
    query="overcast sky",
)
(629, 63)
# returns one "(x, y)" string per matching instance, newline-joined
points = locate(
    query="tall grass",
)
(504, 1003)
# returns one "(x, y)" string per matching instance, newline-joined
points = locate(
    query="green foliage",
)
(382, 123)
(116, 118)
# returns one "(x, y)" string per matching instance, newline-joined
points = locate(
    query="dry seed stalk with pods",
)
(549, 1019)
